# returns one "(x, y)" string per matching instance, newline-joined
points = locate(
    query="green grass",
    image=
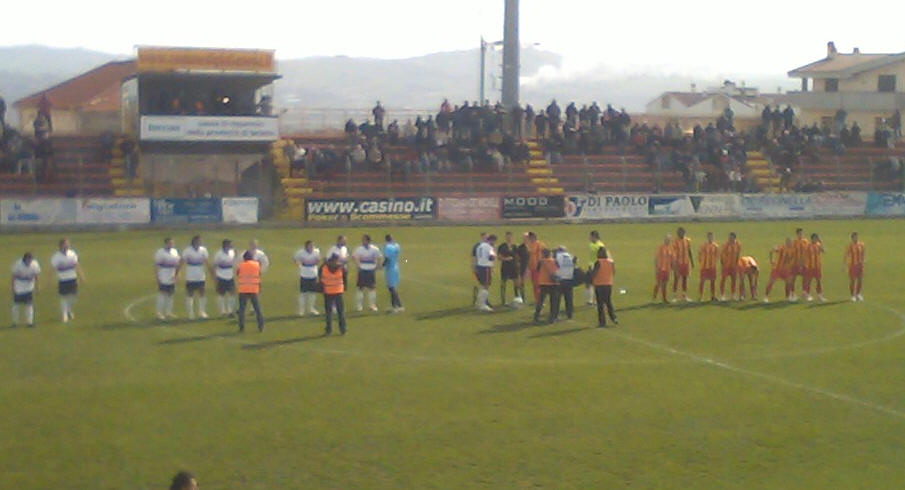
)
(712, 396)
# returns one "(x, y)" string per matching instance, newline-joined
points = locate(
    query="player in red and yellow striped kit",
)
(855, 257)
(729, 255)
(663, 261)
(747, 269)
(782, 260)
(684, 262)
(800, 246)
(813, 268)
(707, 258)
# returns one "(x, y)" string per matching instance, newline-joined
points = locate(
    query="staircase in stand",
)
(764, 175)
(123, 186)
(540, 172)
(295, 188)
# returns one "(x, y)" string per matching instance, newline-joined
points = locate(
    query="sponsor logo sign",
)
(32, 212)
(206, 210)
(113, 211)
(777, 205)
(669, 206)
(886, 204)
(209, 128)
(379, 209)
(160, 59)
(469, 208)
(533, 207)
(839, 203)
(243, 210)
(724, 205)
(598, 206)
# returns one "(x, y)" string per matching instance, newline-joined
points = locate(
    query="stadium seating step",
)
(539, 171)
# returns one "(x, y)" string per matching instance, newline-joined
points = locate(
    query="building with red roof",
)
(89, 103)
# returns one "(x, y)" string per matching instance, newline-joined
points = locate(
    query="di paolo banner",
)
(603, 206)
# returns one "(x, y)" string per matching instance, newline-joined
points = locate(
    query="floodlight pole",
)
(510, 55)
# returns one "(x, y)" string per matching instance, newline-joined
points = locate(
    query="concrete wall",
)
(711, 108)
(867, 81)
(194, 175)
(67, 122)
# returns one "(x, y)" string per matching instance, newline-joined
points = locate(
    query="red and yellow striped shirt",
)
(854, 253)
(812, 256)
(784, 257)
(681, 248)
(746, 263)
(708, 254)
(664, 257)
(800, 249)
(730, 253)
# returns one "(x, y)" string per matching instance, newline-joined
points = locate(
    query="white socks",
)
(202, 306)
(29, 314)
(359, 299)
(483, 294)
(312, 303)
(161, 304)
(589, 294)
(303, 300)
(66, 304)
(221, 302)
(372, 299)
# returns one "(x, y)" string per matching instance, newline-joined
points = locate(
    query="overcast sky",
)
(703, 37)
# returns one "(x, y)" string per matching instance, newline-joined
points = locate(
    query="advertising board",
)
(469, 208)
(377, 209)
(885, 204)
(37, 212)
(601, 206)
(241, 210)
(202, 210)
(776, 205)
(669, 206)
(533, 207)
(120, 211)
(209, 128)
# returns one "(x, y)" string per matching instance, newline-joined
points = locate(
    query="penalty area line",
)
(763, 376)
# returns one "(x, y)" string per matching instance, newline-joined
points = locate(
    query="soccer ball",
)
(622, 291)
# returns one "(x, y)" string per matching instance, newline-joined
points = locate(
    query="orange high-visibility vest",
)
(249, 277)
(605, 271)
(547, 272)
(333, 280)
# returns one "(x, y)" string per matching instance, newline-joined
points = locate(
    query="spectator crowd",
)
(23, 154)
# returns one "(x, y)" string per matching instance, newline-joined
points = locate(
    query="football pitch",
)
(728, 395)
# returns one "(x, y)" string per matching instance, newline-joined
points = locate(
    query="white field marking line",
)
(766, 377)
(780, 355)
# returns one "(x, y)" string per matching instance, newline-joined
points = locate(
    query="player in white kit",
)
(66, 262)
(195, 259)
(258, 255)
(225, 271)
(367, 256)
(166, 269)
(485, 257)
(307, 259)
(24, 285)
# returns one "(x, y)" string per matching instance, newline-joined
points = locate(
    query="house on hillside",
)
(86, 104)
(745, 102)
(868, 86)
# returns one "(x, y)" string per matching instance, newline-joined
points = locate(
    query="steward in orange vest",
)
(332, 280)
(546, 279)
(602, 278)
(248, 277)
